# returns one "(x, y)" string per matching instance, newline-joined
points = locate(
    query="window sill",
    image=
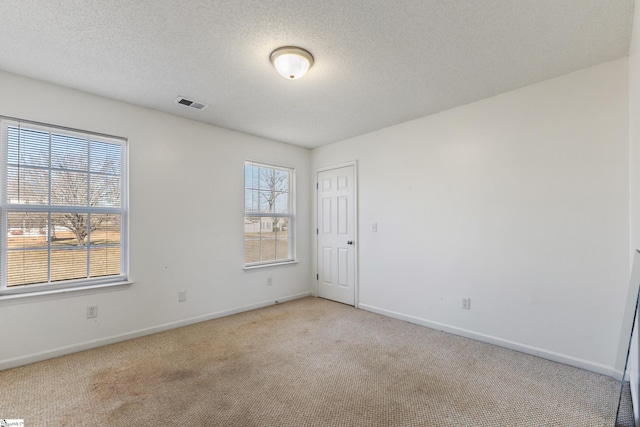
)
(273, 264)
(13, 296)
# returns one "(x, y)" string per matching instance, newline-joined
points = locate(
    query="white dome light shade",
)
(291, 62)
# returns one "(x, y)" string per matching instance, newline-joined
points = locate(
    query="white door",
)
(336, 235)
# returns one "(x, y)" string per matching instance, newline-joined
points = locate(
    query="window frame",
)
(52, 208)
(290, 215)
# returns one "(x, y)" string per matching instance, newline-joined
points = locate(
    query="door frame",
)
(356, 257)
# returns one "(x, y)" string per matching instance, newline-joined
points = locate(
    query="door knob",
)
(350, 242)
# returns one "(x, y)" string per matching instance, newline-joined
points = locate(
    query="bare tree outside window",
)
(276, 185)
(79, 189)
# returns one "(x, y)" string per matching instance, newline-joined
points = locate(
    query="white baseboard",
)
(511, 345)
(61, 351)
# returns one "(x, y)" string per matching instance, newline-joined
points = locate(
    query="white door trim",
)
(356, 285)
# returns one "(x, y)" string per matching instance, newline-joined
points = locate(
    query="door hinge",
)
(317, 277)
(317, 232)
(317, 186)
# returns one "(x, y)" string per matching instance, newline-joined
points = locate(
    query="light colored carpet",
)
(309, 362)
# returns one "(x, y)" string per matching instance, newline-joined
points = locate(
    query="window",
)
(268, 214)
(63, 209)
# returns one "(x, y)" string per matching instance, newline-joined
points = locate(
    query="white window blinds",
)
(63, 210)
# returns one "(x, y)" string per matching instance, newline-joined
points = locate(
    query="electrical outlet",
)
(374, 227)
(466, 303)
(92, 311)
(182, 296)
(269, 281)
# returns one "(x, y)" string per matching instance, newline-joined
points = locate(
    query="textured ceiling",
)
(377, 62)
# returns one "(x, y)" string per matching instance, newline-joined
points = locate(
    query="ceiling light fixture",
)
(291, 62)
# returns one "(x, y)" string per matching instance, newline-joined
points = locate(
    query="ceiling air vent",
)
(191, 104)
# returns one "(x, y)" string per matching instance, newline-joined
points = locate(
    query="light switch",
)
(374, 227)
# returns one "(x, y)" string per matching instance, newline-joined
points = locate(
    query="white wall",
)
(186, 224)
(634, 130)
(634, 201)
(519, 202)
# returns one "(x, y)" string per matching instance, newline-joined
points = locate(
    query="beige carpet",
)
(309, 362)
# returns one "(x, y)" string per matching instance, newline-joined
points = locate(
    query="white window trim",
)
(291, 216)
(17, 296)
(255, 266)
(63, 286)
